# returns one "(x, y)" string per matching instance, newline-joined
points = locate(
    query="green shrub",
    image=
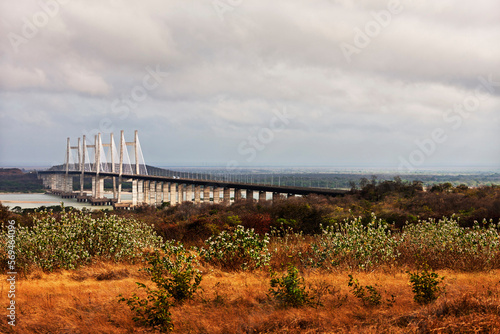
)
(354, 244)
(425, 285)
(153, 311)
(445, 244)
(77, 239)
(176, 279)
(367, 294)
(239, 249)
(289, 290)
(174, 271)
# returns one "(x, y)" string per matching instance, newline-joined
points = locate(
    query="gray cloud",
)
(80, 68)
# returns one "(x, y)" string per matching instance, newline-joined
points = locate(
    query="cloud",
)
(226, 76)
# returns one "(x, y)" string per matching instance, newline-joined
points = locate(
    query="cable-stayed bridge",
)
(150, 185)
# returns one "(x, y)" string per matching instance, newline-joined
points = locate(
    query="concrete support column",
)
(140, 192)
(206, 194)
(237, 195)
(152, 193)
(189, 193)
(60, 181)
(249, 195)
(147, 198)
(55, 179)
(159, 189)
(276, 196)
(226, 196)
(68, 184)
(134, 192)
(181, 193)
(217, 195)
(290, 195)
(262, 196)
(166, 192)
(173, 194)
(197, 190)
(99, 187)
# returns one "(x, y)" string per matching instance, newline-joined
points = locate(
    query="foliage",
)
(425, 285)
(77, 239)
(289, 290)
(367, 294)
(355, 244)
(239, 249)
(444, 243)
(174, 271)
(153, 311)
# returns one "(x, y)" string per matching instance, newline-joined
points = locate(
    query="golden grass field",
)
(86, 301)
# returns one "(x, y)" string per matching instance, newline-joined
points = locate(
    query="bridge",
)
(150, 185)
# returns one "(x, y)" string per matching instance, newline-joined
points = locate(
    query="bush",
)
(154, 311)
(174, 271)
(444, 244)
(239, 249)
(367, 294)
(354, 244)
(289, 290)
(77, 239)
(425, 285)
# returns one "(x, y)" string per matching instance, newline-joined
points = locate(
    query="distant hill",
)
(11, 171)
(15, 180)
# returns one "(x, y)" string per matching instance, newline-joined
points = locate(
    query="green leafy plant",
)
(426, 285)
(75, 238)
(174, 271)
(367, 294)
(238, 249)
(289, 290)
(355, 244)
(153, 311)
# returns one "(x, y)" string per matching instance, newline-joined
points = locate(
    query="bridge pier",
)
(216, 195)
(97, 187)
(140, 192)
(206, 194)
(181, 193)
(189, 193)
(249, 194)
(237, 194)
(135, 195)
(226, 196)
(197, 190)
(262, 196)
(276, 196)
(159, 191)
(173, 193)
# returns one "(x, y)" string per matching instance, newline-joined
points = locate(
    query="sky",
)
(369, 83)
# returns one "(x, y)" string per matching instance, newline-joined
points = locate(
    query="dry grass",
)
(85, 301)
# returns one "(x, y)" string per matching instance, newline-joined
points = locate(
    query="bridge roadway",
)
(211, 183)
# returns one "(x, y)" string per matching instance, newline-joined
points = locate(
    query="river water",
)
(29, 201)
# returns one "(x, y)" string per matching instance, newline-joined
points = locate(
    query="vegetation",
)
(289, 290)
(265, 267)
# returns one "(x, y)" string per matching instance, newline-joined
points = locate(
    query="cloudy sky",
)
(409, 84)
